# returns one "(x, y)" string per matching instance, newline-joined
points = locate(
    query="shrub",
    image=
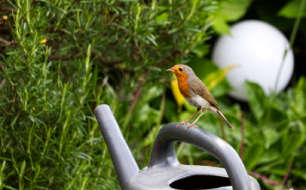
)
(60, 59)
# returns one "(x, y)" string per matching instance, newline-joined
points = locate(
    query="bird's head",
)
(182, 72)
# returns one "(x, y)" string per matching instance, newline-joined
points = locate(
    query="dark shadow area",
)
(200, 182)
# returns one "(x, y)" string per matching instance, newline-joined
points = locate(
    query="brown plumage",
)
(196, 93)
(199, 88)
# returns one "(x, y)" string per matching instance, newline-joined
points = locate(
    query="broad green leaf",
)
(256, 99)
(220, 26)
(252, 155)
(291, 9)
(293, 137)
(300, 95)
(232, 10)
(271, 136)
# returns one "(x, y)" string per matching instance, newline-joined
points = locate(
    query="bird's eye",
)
(180, 69)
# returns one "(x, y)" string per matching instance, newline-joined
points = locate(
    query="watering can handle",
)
(164, 154)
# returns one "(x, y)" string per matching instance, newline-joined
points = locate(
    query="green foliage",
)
(281, 124)
(257, 99)
(63, 58)
(60, 59)
(229, 11)
(290, 10)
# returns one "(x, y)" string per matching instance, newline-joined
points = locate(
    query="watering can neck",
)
(165, 156)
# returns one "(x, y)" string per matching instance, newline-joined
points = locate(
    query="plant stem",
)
(264, 178)
(288, 172)
(242, 135)
(132, 107)
(292, 38)
(162, 107)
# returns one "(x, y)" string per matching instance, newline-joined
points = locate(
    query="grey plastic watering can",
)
(164, 171)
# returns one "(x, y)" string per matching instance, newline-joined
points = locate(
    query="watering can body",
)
(184, 177)
(164, 171)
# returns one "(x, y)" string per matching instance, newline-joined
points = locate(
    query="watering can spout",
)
(123, 160)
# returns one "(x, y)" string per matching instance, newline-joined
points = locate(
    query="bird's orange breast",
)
(183, 85)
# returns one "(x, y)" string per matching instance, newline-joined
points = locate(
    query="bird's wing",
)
(199, 88)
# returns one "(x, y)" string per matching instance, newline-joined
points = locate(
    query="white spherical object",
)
(257, 48)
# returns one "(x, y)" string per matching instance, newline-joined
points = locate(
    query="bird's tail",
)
(222, 116)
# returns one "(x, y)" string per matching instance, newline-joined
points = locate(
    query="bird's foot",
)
(183, 122)
(190, 125)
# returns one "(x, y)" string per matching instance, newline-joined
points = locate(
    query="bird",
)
(196, 94)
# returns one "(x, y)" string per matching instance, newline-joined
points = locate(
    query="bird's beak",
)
(171, 70)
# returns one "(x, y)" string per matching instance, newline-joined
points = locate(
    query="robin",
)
(196, 94)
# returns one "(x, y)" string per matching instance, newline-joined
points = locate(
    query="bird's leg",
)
(193, 124)
(183, 122)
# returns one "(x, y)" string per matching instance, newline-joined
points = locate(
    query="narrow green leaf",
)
(216, 77)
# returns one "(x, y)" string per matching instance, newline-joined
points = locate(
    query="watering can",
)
(164, 171)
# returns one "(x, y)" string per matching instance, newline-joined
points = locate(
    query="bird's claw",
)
(190, 125)
(183, 122)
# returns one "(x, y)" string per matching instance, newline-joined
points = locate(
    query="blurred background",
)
(62, 58)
